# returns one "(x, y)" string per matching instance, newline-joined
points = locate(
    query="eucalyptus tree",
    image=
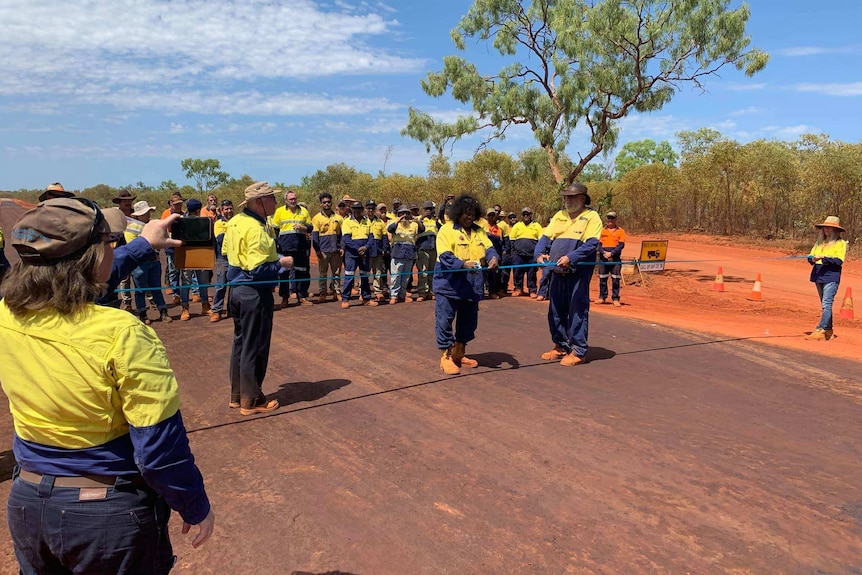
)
(571, 63)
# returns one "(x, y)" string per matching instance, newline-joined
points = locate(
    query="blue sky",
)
(119, 92)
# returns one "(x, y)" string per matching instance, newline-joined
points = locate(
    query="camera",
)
(193, 231)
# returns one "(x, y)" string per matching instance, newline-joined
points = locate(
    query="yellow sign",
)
(653, 255)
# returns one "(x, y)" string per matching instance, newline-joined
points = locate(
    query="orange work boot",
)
(321, 298)
(540, 298)
(215, 317)
(205, 308)
(345, 304)
(447, 365)
(816, 335)
(262, 408)
(516, 293)
(370, 302)
(617, 303)
(533, 296)
(571, 359)
(555, 354)
(393, 301)
(461, 360)
(185, 316)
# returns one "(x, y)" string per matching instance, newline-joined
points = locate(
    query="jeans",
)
(54, 532)
(400, 272)
(188, 278)
(827, 292)
(376, 265)
(425, 260)
(172, 274)
(519, 273)
(148, 275)
(220, 289)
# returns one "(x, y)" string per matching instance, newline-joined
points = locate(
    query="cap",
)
(177, 199)
(257, 190)
(611, 215)
(371, 203)
(513, 215)
(55, 190)
(382, 206)
(396, 200)
(60, 228)
(526, 210)
(141, 208)
(414, 206)
(193, 205)
(428, 205)
(357, 206)
(226, 203)
(403, 210)
(490, 211)
(124, 195)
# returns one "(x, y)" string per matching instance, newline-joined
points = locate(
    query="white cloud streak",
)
(832, 89)
(796, 51)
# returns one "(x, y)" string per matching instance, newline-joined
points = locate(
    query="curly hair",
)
(462, 205)
(66, 286)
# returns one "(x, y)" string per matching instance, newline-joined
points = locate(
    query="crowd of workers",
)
(100, 443)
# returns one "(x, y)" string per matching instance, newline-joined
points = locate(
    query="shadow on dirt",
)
(702, 277)
(297, 392)
(496, 359)
(599, 354)
(710, 342)
(327, 573)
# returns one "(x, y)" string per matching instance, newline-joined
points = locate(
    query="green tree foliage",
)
(643, 152)
(207, 174)
(572, 62)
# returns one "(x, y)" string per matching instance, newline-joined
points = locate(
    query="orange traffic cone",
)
(719, 280)
(847, 305)
(756, 291)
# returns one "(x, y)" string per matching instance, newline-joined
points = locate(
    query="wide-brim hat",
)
(428, 204)
(141, 208)
(576, 189)
(55, 190)
(256, 191)
(124, 195)
(831, 222)
(62, 228)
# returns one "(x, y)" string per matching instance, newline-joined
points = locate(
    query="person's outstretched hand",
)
(205, 530)
(156, 232)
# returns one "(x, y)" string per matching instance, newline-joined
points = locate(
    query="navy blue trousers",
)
(569, 311)
(463, 312)
(124, 533)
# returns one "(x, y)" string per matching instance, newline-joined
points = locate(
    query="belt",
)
(79, 481)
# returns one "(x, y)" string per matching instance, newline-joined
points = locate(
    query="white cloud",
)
(653, 126)
(745, 111)
(832, 89)
(789, 132)
(813, 50)
(737, 87)
(136, 53)
(176, 128)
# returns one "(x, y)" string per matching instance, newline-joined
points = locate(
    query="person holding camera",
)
(404, 232)
(99, 440)
(198, 277)
(253, 268)
(462, 248)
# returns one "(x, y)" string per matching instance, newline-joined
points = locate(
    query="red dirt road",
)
(671, 451)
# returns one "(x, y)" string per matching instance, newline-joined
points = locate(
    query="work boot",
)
(540, 298)
(447, 365)
(164, 317)
(555, 354)
(185, 316)
(461, 360)
(393, 301)
(284, 302)
(143, 316)
(516, 293)
(420, 298)
(571, 359)
(617, 303)
(321, 298)
(345, 304)
(370, 302)
(176, 300)
(262, 408)
(215, 317)
(828, 334)
(196, 298)
(205, 308)
(816, 335)
(533, 295)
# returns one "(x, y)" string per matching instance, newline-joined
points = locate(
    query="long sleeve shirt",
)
(326, 232)
(827, 259)
(102, 399)
(454, 248)
(576, 238)
(250, 251)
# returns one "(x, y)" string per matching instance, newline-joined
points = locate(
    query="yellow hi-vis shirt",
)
(357, 229)
(247, 244)
(79, 381)
(133, 229)
(462, 246)
(284, 219)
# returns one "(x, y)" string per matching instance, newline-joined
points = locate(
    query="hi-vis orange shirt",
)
(612, 237)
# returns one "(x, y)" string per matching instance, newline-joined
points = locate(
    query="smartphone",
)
(193, 230)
